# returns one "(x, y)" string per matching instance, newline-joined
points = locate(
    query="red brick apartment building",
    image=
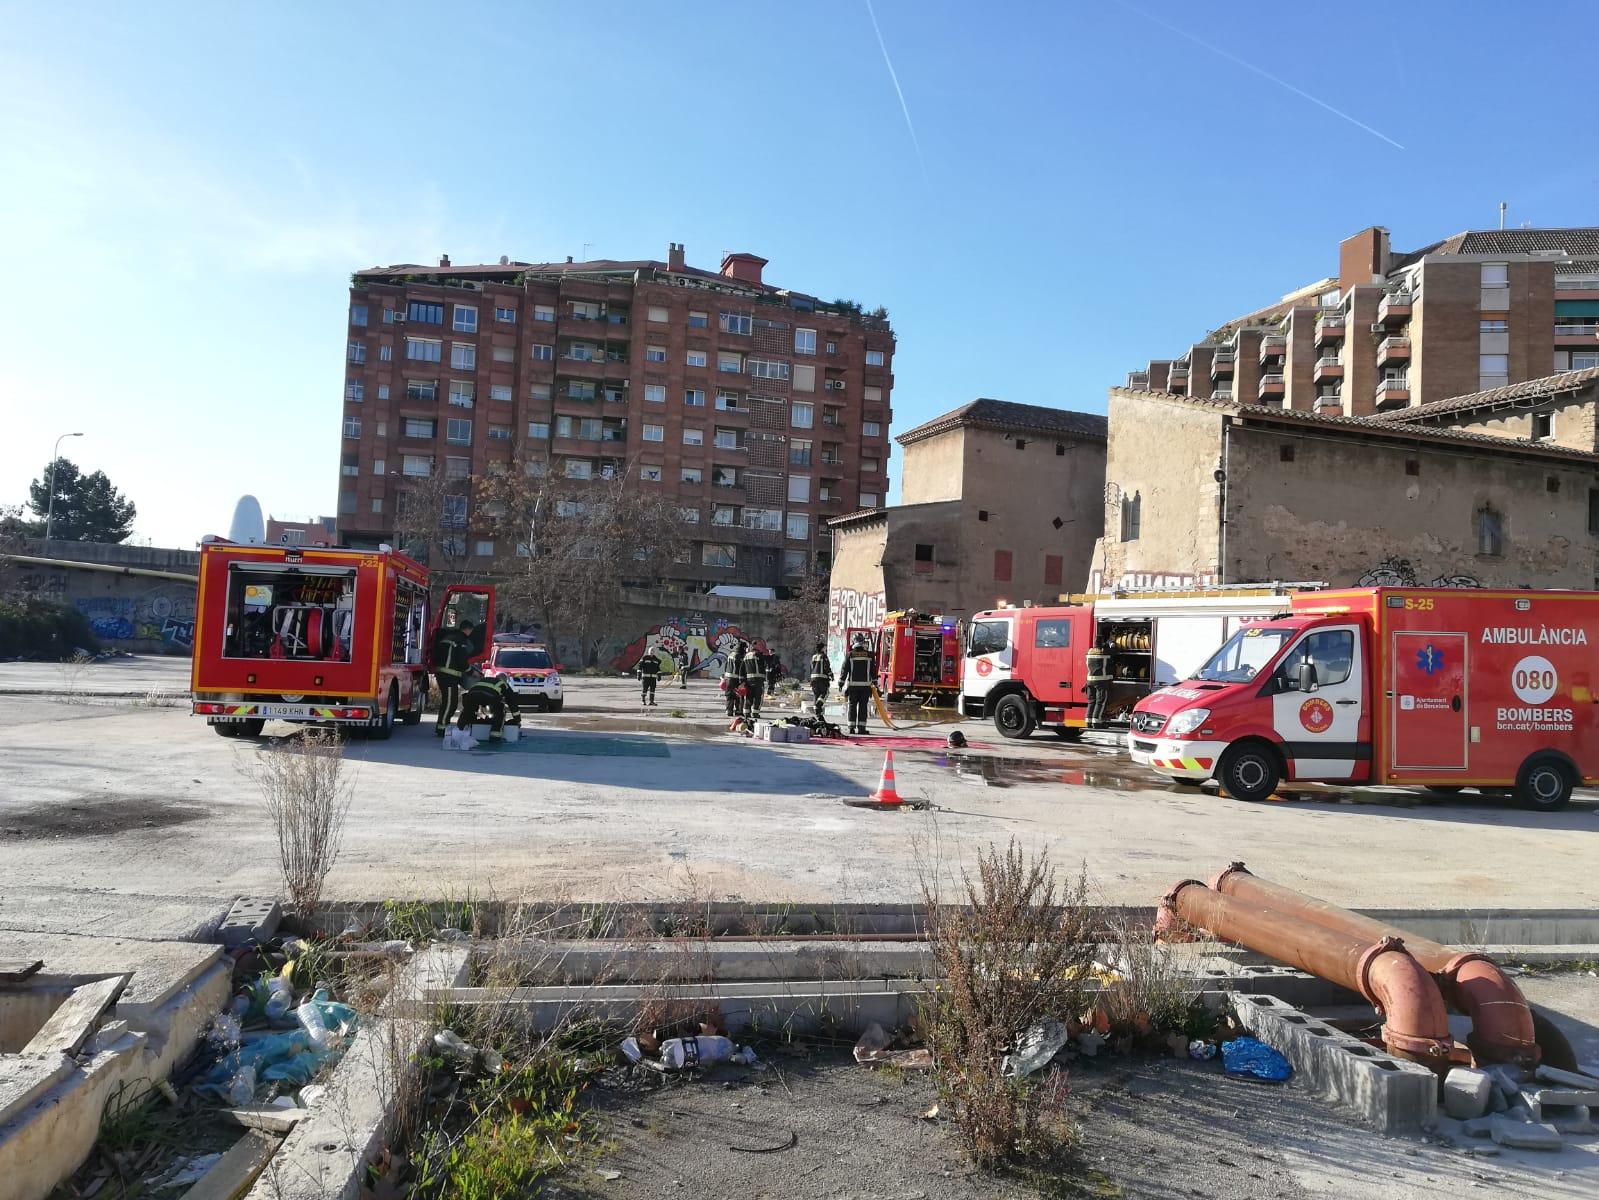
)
(1476, 311)
(762, 412)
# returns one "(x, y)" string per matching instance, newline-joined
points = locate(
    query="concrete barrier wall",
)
(139, 613)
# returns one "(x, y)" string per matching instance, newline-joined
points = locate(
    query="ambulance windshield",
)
(1245, 653)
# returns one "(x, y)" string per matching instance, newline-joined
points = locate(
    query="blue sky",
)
(187, 188)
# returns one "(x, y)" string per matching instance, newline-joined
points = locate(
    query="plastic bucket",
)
(480, 733)
(513, 733)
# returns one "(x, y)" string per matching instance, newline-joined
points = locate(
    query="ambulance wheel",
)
(1013, 716)
(419, 700)
(384, 728)
(1250, 772)
(1544, 784)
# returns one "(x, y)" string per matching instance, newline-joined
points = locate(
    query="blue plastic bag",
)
(1253, 1058)
(297, 1070)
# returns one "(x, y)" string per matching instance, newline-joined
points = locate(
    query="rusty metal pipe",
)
(1473, 984)
(1415, 1021)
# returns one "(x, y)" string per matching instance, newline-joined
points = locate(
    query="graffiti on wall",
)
(44, 585)
(164, 614)
(1398, 572)
(850, 609)
(705, 643)
(1149, 581)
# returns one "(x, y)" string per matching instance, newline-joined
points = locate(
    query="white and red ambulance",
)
(1435, 688)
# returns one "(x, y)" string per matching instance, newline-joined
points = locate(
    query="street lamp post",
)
(50, 508)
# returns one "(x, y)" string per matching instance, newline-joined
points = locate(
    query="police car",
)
(531, 672)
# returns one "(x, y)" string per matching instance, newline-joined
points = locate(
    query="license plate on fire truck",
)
(282, 710)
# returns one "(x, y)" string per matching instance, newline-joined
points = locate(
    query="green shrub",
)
(37, 629)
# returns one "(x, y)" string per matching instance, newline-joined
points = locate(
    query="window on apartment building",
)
(543, 353)
(692, 475)
(585, 310)
(724, 476)
(346, 502)
(536, 467)
(1495, 275)
(871, 429)
(1052, 570)
(870, 464)
(794, 562)
(352, 427)
(579, 468)
(427, 314)
(1494, 369)
(357, 314)
(1285, 454)
(655, 393)
(499, 433)
(458, 431)
(690, 515)
(500, 391)
(798, 527)
(419, 427)
(504, 354)
(465, 319)
(658, 314)
(423, 349)
(805, 341)
(769, 519)
(355, 390)
(924, 558)
(1490, 532)
(1543, 426)
(724, 514)
(538, 391)
(538, 431)
(868, 499)
(727, 439)
(383, 391)
(799, 452)
(580, 389)
(735, 322)
(832, 347)
(694, 358)
(694, 397)
(1002, 566)
(801, 415)
(462, 392)
(463, 356)
(388, 316)
(377, 504)
(505, 316)
(483, 547)
(655, 354)
(874, 358)
(649, 472)
(356, 352)
(1132, 517)
(699, 320)
(765, 368)
(729, 401)
(457, 468)
(385, 353)
(1495, 326)
(729, 362)
(804, 377)
(716, 554)
(799, 489)
(544, 312)
(416, 465)
(380, 466)
(653, 433)
(694, 437)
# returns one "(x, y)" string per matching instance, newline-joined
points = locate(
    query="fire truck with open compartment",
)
(322, 636)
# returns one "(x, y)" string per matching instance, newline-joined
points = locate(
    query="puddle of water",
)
(92, 816)
(987, 771)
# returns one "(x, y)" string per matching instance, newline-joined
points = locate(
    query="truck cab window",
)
(1330, 651)
(988, 637)
(1245, 653)
(1052, 635)
(468, 606)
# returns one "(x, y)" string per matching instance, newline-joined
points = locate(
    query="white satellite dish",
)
(249, 527)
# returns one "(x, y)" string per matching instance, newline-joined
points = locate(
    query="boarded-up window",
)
(1052, 565)
(1002, 566)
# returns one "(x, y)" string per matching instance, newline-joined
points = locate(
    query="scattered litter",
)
(458, 739)
(1035, 1049)
(1201, 1050)
(680, 1053)
(314, 1094)
(1089, 1042)
(931, 1114)
(872, 1051)
(185, 1171)
(452, 935)
(609, 1176)
(1254, 1059)
(1177, 1044)
(793, 1140)
(487, 1061)
(326, 1022)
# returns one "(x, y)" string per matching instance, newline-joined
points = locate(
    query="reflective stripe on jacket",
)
(821, 669)
(1098, 666)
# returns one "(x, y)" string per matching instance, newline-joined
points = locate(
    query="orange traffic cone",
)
(886, 792)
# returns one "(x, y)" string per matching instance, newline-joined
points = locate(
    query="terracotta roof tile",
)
(1017, 418)
(1529, 389)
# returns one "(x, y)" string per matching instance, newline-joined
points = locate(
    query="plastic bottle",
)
(280, 998)
(695, 1051)
(241, 1088)
(324, 1021)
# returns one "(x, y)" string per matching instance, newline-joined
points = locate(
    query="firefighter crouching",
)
(649, 674)
(754, 677)
(1098, 664)
(452, 650)
(495, 696)
(821, 679)
(856, 679)
(732, 678)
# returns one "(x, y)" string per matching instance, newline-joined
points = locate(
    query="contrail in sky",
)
(898, 91)
(1248, 66)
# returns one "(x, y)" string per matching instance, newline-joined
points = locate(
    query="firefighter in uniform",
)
(496, 695)
(452, 649)
(821, 678)
(649, 673)
(754, 674)
(732, 675)
(1098, 663)
(860, 669)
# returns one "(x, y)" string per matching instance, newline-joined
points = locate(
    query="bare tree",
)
(568, 545)
(802, 620)
(430, 523)
(307, 799)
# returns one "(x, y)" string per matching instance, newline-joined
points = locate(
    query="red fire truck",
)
(917, 655)
(320, 636)
(1436, 688)
(1027, 667)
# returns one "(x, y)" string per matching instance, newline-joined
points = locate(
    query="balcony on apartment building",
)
(1393, 349)
(1578, 283)
(1394, 307)
(1330, 405)
(1393, 392)
(1577, 333)
(1272, 387)
(1223, 362)
(1328, 366)
(1273, 345)
(1138, 379)
(1222, 393)
(1330, 325)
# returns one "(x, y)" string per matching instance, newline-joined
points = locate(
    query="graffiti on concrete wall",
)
(164, 614)
(1149, 581)
(1398, 572)
(850, 609)
(704, 643)
(43, 585)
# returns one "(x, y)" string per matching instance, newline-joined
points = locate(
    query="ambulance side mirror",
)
(1307, 676)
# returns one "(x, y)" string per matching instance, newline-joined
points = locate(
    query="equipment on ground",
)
(1431, 687)
(321, 636)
